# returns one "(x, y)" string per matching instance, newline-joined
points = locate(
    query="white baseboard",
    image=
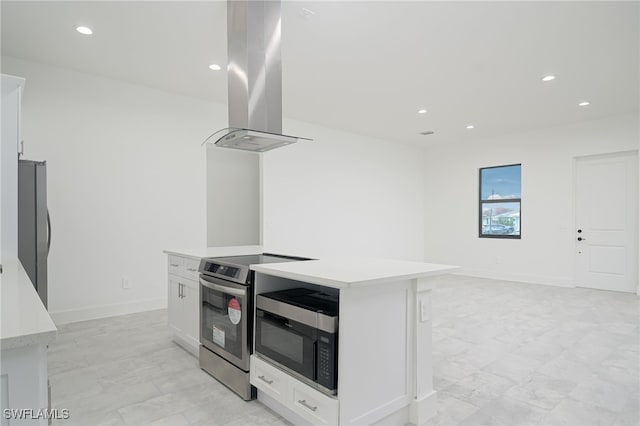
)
(103, 311)
(423, 408)
(506, 276)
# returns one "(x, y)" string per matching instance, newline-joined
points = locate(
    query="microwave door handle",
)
(315, 361)
(223, 289)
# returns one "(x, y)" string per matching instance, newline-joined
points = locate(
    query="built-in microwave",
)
(297, 330)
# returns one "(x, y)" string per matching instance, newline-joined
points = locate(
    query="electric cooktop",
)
(236, 268)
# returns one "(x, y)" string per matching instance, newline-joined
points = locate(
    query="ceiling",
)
(367, 66)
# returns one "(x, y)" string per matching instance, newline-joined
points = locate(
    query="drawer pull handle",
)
(192, 269)
(264, 379)
(175, 265)
(303, 402)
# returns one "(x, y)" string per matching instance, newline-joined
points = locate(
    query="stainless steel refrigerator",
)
(34, 225)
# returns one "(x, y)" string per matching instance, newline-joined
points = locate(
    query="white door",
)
(606, 233)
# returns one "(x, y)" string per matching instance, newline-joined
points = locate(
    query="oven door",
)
(286, 342)
(223, 319)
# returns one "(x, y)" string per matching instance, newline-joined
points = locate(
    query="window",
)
(500, 193)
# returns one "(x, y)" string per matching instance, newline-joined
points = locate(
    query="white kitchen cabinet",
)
(11, 111)
(309, 404)
(184, 303)
(176, 319)
(191, 312)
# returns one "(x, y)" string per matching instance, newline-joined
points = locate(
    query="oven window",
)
(218, 326)
(281, 341)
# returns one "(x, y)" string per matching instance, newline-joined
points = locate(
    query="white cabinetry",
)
(184, 302)
(309, 404)
(384, 343)
(11, 107)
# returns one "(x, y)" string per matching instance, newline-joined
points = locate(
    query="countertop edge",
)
(272, 270)
(30, 324)
(200, 253)
(19, 341)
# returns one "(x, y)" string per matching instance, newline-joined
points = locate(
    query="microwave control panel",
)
(327, 368)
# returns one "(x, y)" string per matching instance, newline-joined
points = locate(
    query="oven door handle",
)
(223, 289)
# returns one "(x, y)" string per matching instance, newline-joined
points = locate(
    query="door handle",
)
(223, 289)
(180, 290)
(264, 379)
(48, 232)
(582, 239)
(304, 403)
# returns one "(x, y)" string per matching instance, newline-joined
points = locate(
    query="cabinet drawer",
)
(175, 265)
(191, 268)
(313, 405)
(268, 379)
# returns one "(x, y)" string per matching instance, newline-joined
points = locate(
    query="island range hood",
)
(254, 78)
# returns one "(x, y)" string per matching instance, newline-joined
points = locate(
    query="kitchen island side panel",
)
(375, 352)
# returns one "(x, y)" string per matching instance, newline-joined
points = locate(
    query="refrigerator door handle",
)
(48, 233)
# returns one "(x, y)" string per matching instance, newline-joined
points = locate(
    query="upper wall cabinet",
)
(11, 107)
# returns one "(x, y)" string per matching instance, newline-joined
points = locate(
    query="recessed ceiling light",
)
(548, 77)
(422, 111)
(471, 126)
(584, 103)
(84, 30)
(215, 67)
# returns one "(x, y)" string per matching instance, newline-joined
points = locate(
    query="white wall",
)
(343, 194)
(545, 252)
(126, 179)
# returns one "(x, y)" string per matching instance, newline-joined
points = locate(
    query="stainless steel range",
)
(226, 318)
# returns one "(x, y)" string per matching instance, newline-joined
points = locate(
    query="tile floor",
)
(521, 354)
(504, 354)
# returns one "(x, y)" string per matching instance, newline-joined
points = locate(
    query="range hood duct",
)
(254, 75)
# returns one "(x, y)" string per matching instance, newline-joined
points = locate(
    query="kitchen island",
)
(384, 342)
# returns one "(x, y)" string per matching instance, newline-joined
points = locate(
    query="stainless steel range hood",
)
(254, 78)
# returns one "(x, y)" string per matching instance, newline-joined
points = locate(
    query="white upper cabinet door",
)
(11, 106)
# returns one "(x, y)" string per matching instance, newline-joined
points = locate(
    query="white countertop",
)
(353, 272)
(199, 253)
(24, 319)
